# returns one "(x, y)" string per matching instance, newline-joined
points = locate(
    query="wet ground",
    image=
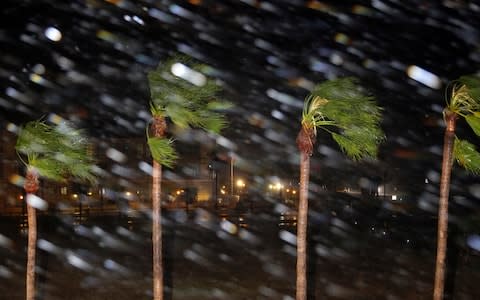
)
(232, 255)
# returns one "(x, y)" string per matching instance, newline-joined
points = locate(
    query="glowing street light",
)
(240, 183)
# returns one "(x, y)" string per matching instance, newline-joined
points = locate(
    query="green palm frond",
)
(162, 150)
(49, 168)
(474, 123)
(465, 96)
(36, 137)
(359, 142)
(218, 105)
(82, 171)
(343, 105)
(348, 146)
(472, 81)
(56, 151)
(187, 105)
(213, 123)
(467, 156)
(312, 115)
(181, 116)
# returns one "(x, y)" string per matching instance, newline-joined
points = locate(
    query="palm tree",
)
(52, 152)
(183, 94)
(464, 102)
(352, 118)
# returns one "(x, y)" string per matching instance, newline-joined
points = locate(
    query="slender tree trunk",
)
(302, 228)
(31, 186)
(448, 143)
(159, 126)
(31, 252)
(157, 232)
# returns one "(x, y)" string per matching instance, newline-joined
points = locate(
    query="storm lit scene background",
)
(239, 149)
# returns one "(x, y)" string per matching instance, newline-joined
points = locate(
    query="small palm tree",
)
(182, 93)
(52, 152)
(464, 102)
(352, 118)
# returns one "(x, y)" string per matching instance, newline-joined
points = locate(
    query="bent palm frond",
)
(354, 117)
(162, 151)
(56, 151)
(467, 156)
(465, 96)
(186, 104)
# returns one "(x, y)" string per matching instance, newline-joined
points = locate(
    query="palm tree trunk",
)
(157, 232)
(31, 252)
(302, 228)
(31, 186)
(448, 144)
(158, 127)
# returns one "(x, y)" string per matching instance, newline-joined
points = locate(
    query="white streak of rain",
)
(78, 262)
(116, 155)
(5, 241)
(37, 202)
(188, 74)
(288, 237)
(48, 246)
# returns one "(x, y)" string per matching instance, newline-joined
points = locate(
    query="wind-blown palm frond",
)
(56, 151)
(474, 123)
(464, 101)
(36, 138)
(467, 156)
(186, 104)
(359, 142)
(465, 96)
(472, 81)
(342, 104)
(162, 150)
(48, 168)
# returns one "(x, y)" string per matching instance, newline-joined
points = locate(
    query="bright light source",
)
(423, 76)
(394, 197)
(53, 34)
(128, 194)
(240, 183)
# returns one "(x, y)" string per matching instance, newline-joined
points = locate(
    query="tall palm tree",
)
(183, 94)
(352, 118)
(52, 152)
(463, 102)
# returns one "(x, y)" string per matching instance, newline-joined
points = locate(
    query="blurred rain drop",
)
(423, 76)
(53, 34)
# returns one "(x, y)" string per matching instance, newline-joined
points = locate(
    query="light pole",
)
(231, 176)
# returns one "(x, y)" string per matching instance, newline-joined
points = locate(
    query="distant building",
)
(124, 181)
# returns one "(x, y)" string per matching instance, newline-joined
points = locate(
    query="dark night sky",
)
(265, 53)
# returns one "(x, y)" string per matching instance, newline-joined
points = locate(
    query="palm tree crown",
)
(55, 151)
(181, 92)
(464, 102)
(341, 108)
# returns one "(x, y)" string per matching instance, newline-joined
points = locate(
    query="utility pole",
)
(231, 175)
